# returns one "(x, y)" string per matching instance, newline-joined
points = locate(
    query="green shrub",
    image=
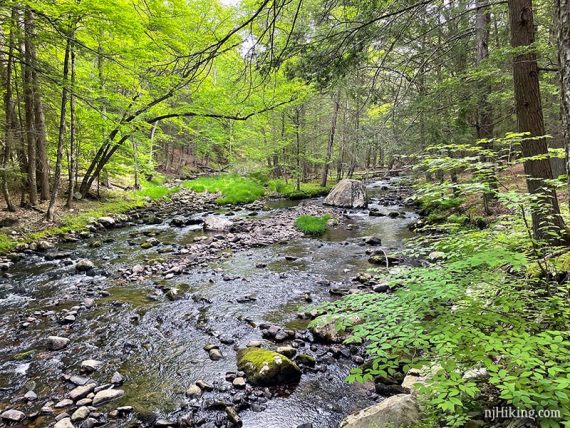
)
(233, 188)
(312, 225)
(289, 190)
(6, 243)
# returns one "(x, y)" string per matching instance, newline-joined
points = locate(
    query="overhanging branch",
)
(217, 115)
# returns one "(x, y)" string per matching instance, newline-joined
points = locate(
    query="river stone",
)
(91, 365)
(348, 193)
(84, 265)
(44, 245)
(107, 395)
(217, 224)
(326, 331)
(117, 378)
(64, 423)
(13, 415)
(66, 402)
(81, 391)
(107, 221)
(215, 354)
(80, 414)
(288, 351)
(194, 391)
(264, 367)
(55, 343)
(31, 396)
(397, 411)
(239, 382)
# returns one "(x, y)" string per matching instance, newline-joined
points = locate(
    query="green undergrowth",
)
(312, 225)
(233, 188)
(289, 189)
(236, 189)
(479, 307)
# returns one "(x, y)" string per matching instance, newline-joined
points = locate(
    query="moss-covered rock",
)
(306, 360)
(264, 367)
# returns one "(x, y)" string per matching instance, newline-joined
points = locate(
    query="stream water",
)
(156, 343)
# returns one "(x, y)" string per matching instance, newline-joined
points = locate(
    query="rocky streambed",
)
(139, 320)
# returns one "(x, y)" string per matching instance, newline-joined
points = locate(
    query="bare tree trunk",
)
(72, 161)
(298, 112)
(29, 107)
(484, 108)
(61, 134)
(137, 185)
(563, 15)
(10, 112)
(42, 165)
(336, 106)
(546, 218)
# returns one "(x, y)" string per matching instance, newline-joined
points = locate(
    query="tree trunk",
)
(42, 165)
(546, 219)
(10, 114)
(336, 106)
(484, 108)
(563, 15)
(72, 161)
(61, 134)
(29, 107)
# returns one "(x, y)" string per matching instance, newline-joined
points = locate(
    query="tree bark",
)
(336, 106)
(29, 107)
(10, 114)
(547, 222)
(61, 134)
(42, 165)
(563, 15)
(484, 125)
(72, 161)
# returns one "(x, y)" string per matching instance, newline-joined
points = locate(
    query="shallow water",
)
(157, 344)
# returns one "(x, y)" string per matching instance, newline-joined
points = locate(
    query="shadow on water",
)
(156, 341)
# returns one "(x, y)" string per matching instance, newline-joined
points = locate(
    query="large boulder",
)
(397, 411)
(264, 367)
(349, 194)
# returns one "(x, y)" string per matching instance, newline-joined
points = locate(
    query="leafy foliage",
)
(477, 309)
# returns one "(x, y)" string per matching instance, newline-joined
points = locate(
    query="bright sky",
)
(230, 2)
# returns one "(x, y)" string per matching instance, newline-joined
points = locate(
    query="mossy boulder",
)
(264, 367)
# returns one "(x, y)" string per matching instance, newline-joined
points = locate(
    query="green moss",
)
(265, 367)
(312, 225)
(23, 355)
(306, 360)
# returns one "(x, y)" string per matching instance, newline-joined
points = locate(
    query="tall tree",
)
(62, 126)
(546, 219)
(330, 142)
(563, 36)
(9, 111)
(30, 122)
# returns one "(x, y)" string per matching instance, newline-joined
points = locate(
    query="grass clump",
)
(7, 243)
(234, 189)
(312, 225)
